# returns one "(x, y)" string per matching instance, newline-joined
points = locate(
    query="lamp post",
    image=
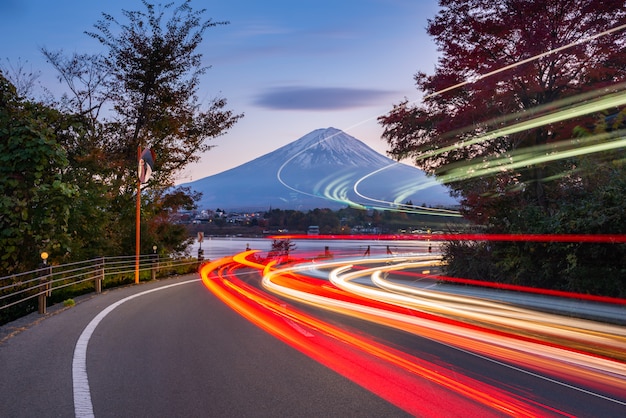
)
(155, 259)
(45, 284)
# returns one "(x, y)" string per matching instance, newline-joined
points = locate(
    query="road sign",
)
(200, 236)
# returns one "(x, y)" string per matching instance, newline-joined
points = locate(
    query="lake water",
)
(218, 247)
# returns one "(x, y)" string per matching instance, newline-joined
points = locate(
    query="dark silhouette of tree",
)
(148, 81)
(496, 68)
(154, 78)
(20, 77)
(281, 248)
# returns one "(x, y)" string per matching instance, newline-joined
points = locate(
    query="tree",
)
(22, 79)
(35, 200)
(281, 248)
(155, 70)
(503, 64)
(495, 69)
(592, 203)
(150, 77)
(170, 237)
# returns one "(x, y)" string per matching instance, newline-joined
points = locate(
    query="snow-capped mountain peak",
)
(325, 168)
(328, 146)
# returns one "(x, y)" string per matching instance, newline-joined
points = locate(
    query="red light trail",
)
(402, 378)
(581, 238)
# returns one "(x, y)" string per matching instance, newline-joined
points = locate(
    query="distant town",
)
(346, 221)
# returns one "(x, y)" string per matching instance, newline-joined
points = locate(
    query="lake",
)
(218, 247)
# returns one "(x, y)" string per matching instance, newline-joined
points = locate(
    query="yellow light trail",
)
(462, 322)
(544, 357)
(407, 191)
(400, 378)
(532, 156)
(602, 103)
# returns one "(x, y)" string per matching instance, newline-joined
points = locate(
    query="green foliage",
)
(68, 173)
(149, 81)
(35, 199)
(592, 204)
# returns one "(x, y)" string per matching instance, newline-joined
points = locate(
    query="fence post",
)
(42, 299)
(155, 262)
(99, 276)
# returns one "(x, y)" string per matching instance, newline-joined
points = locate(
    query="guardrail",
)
(22, 293)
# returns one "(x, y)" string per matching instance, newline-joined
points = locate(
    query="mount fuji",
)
(326, 168)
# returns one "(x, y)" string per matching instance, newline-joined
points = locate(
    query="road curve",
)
(476, 368)
(172, 352)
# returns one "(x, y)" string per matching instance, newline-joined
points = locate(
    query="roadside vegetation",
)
(501, 124)
(68, 165)
(497, 124)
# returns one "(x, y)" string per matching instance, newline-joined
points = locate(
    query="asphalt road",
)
(176, 352)
(171, 349)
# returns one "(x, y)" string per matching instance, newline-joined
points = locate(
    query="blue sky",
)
(290, 66)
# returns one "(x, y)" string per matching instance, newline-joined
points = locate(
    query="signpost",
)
(146, 166)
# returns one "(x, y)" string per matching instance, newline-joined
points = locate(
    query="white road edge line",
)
(83, 407)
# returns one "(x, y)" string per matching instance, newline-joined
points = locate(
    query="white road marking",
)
(83, 407)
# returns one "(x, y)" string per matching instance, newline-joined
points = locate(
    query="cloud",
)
(319, 98)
